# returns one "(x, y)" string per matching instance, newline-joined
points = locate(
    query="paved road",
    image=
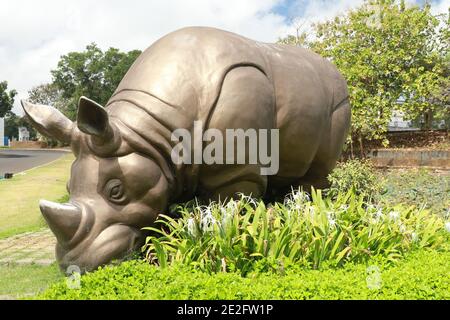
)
(19, 160)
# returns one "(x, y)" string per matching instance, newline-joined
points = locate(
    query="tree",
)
(6, 99)
(49, 94)
(387, 52)
(92, 73)
(440, 99)
(12, 124)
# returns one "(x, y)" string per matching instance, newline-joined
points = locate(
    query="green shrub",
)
(422, 275)
(64, 199)
(357, 175)
(245, 236)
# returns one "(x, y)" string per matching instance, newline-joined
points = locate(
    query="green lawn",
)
(21, 281)
(20, 195)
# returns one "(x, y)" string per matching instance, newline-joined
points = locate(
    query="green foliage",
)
(422, 275)
(49, 94)
(12, 124)
(64, 199)
(247, 237)
(418, 187)
(6, 99)
(387, 51)
(357, 175)
(92, 73)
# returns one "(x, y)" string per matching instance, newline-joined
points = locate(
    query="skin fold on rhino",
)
(123, 175)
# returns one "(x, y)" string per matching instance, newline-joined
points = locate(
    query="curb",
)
(37, 149)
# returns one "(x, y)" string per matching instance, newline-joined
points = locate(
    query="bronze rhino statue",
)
(124, 176)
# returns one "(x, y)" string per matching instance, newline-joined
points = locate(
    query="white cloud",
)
(440, 7)
(309, 12)
(34, 34)
(314, 11)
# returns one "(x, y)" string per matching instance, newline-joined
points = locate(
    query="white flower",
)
(331, 218)
(447, 214)
(414, 237)
(394, 215)
(312, 211)
(379, 215)
(249, 200)
(332, 222)
(207, 220)
(231, 206)
(447, 226)
(298, 198)
(226, 215)
(343, 207)
(191, 226)
(402, 228)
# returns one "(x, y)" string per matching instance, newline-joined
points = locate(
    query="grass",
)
(19, 211)
(26, 280)
(422, 275)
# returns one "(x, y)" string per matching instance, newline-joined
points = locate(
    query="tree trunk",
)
(428, 119)
(352, 155)
(361, 147)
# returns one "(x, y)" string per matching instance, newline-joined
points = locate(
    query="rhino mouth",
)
(83, 244)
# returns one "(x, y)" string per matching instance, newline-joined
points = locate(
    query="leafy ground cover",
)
(421, 275)
(418, 187)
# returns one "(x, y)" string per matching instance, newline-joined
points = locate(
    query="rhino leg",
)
(246, 101)
(330, 149)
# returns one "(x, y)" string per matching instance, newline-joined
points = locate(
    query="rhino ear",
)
(92, 118)
(48, 121)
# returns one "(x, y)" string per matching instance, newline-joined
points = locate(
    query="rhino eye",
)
(114, 190)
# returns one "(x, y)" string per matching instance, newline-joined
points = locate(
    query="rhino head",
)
(115, 190)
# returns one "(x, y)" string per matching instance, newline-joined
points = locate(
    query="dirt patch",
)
(28, 248)
(28, 144)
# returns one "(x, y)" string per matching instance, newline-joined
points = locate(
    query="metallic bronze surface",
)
(123, 176)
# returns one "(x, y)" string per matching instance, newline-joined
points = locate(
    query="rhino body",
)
(123, 175)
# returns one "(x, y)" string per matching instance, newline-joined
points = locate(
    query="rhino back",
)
(185, 68)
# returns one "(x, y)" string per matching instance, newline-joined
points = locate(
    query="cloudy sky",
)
(34, 34)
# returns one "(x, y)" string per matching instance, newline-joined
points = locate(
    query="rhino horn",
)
(63, 219)
(93, 119)
(48, 121)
